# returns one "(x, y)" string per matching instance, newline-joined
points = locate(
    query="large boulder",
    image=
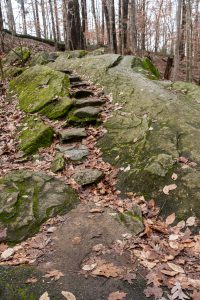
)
(27, 199)
(147, 137)
(17, 56)
(34, 134)
(43, 58)
(41, 89)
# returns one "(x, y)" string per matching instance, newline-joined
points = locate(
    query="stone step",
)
(71, 134)
(74, 78)
(73, 152)
(88, 176)
(79, 84)
(83, 93)
(66, 71)
(89, 102)
(87, 112)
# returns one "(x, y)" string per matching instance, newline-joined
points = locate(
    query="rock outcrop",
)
(154, 128)
(27, 199)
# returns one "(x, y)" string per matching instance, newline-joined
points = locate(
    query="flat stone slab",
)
(82, 93)
(58, 163)
(89, 102)
(74, 152)
(72, 134)
(27, 199)
(87, 112)
(88, 176)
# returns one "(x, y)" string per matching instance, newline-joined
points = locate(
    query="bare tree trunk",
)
(38, 32)
(44, 19)
(103, 26)
(57, 20)
(158, 26)
(124, 25)
(74, 25)
(143, 34)
(23, 16)
(1, 31)
(113, 36)
(84, 21)
(120, 26)
(189, 42)
(106, 13)
(183, 29)
(133, 27)
(178, 36)
(95, 20)
(65, 31)
(11, 20)
(53, 23)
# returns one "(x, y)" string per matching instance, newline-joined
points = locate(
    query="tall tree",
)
(75, 33)
(1, 30)
(84, 21)
(106, 13)
(124, 25)
(44, 18)
(95, 20)
(37, 20)
(57, 20)
(53, 22)
(143, 33)
(133, 26)
(189, 41)
(178, 36)
(113, 36)
(10, 16)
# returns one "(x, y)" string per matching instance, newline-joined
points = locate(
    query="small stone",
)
(8, 253)
(89, 102)
(88, 176)
(87, 112)
(51, 229)
(72, 134)
(133, 220)
(58, 163)
(74, 152)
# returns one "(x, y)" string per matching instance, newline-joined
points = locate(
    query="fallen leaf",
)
(76, 240)
(107, 270)
(169, 188)
(129, 277)
(169, 273)
(196, 295)
(153, 291)
(7, 254)
(170, 219)
(174, 176)
(191, 221)
(68, 295)
(44, 296)
(96, 210)
(31, 280)
(89, 267)
(117, 296)
(54, 274)
(177, 292)
(175, 268)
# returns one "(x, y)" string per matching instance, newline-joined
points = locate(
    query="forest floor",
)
(88, 254)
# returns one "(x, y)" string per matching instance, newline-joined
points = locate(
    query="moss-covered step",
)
(39, 87)
(34, 134)
(17, 56)
(29, 198)
(153, 128)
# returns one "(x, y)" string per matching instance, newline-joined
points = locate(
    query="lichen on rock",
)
(28, 198)
(17, 56)
(34, 134)
(38, 87)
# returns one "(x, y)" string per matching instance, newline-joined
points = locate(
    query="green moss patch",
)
(27, 199)
(39, 86)
(58, 108)
(34, 135)
(18, 55)
(146, 67)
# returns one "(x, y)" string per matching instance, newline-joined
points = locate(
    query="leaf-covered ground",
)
(165, 255)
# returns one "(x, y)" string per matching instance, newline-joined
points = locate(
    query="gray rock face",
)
(88, 176)
(58, 163)
(133, 220)
(153, 129)
(27, 199)
(87, 112)
(89, 102)
(72, 134)
(74, 152)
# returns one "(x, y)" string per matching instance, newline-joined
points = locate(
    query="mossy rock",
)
(18, 56)
(154, 127)
(34, 135)
(190, 89)
(38, 87)
(57, 108)
(76, 54)
(12, 71)
(146, 67)
(58, 163)
(133, 220)
(27, 199)
(43, 58)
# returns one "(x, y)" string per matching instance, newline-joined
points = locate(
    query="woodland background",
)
(166, 28)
